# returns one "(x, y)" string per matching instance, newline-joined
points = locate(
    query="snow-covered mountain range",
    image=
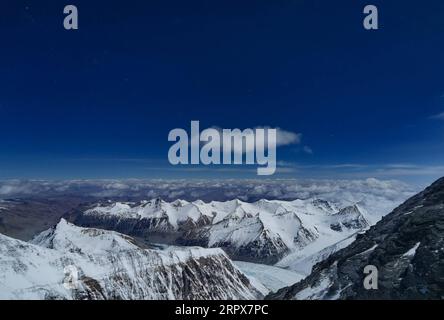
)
(110, 265)
(301, 249)
(263, 231)
(148, 249)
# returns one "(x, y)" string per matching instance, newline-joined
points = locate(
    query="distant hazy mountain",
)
(406, 246)
(377, 196)
(263, 231)
(114, 266)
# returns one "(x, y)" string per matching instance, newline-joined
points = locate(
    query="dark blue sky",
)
(99, 102)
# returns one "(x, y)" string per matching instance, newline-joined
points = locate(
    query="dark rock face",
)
(406, 246)
(215, 273)
(153, 230)
(349, 218)
(264, 249)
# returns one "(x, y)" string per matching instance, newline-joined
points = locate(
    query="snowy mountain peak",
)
(324, 205)
(351, 217)
(352, 209)
(111, 266)
(67, 236)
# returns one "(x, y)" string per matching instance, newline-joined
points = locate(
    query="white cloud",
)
(377, 196)
(439, 116)
(308, 150)
(401, 171)
(284, 138)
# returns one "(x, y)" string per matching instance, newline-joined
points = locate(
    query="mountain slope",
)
(271, 277)
(406, 246)
(303, 261)
(114, 266)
